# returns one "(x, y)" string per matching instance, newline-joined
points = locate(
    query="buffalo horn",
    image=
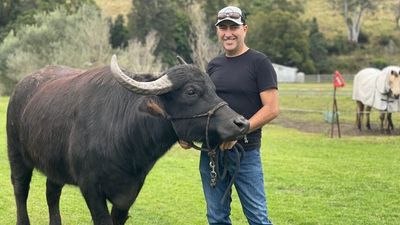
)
(157, 87)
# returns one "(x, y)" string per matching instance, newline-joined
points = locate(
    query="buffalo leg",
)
(119, 216)
(97, 205)
(53, 193)
(119, 212)
(21, 177)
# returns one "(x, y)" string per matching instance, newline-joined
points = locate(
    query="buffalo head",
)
(188, 99)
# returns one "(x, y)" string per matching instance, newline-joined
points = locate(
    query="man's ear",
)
(153, 108)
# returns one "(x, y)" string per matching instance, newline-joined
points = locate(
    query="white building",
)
(288, 74)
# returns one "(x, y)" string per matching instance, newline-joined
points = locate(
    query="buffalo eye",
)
(191, 92)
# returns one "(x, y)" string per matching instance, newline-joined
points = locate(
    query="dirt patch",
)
(346, 129)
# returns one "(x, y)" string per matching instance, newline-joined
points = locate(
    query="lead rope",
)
(239, 152)
(212, 152)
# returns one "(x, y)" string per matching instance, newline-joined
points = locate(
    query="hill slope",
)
(330, 21)
(113, 8)
(377, 25)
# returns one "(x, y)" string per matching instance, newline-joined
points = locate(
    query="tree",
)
(283, 37)
(118, 33)
(210, 8)
(139, 56)
(79, 40)
(397, 14)
(5, 11)
(203, 48)
(318, 48)
(353, 12)
(168, 19)
(251, 7)
(9, 11)
(16, 13)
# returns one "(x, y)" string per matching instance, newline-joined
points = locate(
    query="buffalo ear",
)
(153, 108)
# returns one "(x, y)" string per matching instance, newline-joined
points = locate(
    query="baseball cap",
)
(230, 13)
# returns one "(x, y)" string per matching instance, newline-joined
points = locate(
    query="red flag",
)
(338, 80)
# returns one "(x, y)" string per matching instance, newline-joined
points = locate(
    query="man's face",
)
(232, 37)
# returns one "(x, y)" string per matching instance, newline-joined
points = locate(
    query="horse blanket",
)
(371, 87)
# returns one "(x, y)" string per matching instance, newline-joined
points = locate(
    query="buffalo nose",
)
(242, 123)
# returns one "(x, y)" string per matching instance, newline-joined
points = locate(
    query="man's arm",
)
(269, 111)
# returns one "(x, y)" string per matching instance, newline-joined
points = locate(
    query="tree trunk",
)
(397, 14)
(353, 22)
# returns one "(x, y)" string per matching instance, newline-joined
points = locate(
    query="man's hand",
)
(184, 144)
(227, 145)
(224, 146)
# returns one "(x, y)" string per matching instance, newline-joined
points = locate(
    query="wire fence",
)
(314, 92)
(308, 106)
(326, 78)
(349, 105)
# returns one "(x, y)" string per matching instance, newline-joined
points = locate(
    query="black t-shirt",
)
(239, 81)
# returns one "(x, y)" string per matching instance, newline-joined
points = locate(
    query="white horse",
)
(379, 89)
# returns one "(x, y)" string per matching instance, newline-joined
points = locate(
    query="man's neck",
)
(240, 52)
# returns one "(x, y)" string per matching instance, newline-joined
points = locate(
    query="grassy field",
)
(310, 178)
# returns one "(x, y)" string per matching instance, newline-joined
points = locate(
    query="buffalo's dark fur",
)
(83, 128)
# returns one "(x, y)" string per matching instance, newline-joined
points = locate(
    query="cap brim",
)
(237, 21)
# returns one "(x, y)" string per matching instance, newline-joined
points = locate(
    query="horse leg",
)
(360, 108)
(368, 112)
(382, 119)
(390, 126)
(53, 193)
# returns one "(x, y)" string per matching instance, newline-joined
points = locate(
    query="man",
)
(246, 80)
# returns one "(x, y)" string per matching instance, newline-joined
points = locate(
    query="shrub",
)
(140, 57)
(79, 40)
(340, 46)
(363, 38)
(379, 63)
(384, 40)
(118, 33)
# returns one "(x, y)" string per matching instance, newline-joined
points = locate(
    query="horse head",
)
(394, 83)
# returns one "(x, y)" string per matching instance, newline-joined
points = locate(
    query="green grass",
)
(310, 179)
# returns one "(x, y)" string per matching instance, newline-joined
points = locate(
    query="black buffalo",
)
(103, 130)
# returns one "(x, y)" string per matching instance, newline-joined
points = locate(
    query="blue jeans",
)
(249, 184)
